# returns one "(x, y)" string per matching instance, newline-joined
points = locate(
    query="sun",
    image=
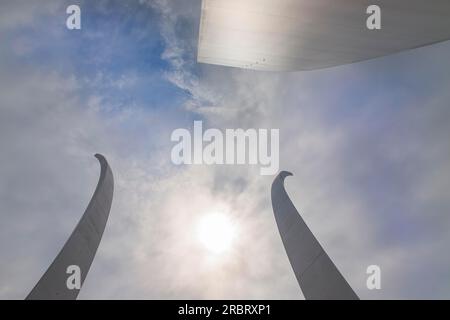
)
(216, 232)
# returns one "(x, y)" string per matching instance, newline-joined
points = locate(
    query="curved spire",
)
(80, 248)
(316, 274)
(289, 35)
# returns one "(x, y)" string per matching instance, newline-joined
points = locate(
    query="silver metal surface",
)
(316, 274)
(82, 245)
(286, 35)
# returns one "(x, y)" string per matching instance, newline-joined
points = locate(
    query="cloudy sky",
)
(368, 144)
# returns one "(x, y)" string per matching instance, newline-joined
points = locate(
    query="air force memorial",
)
(289, 35)
(269, 35)
(65, 276)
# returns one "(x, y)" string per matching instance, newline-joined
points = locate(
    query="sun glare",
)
(216, 232)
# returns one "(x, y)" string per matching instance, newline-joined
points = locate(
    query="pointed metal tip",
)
(284, 174)
(99, 156)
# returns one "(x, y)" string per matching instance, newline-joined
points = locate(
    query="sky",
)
(367, 143)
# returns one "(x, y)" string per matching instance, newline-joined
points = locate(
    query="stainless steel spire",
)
(286, 35)
(316, 274)
(82, 244)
